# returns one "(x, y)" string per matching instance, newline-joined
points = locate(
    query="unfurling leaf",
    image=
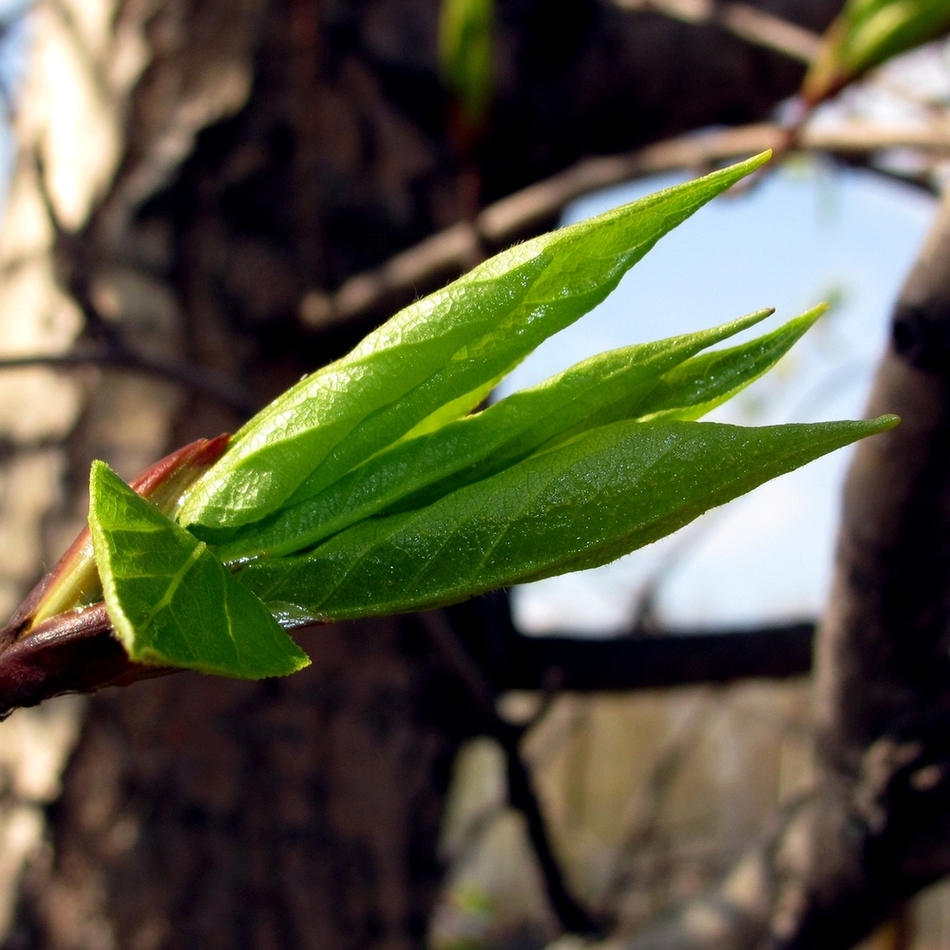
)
(466, 30)
(622, 384)
(170, 600)
(368, 487)
(74, 582)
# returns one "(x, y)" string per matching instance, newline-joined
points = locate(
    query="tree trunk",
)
(292, 813)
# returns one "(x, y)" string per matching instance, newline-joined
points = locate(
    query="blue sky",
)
(808, 233)
(13, 49)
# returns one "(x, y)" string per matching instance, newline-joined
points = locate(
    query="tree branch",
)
(573, 916)
(654, 662)
(74, 653)
(451, 252)
(749, 23)
(73, 254)
(195, 378)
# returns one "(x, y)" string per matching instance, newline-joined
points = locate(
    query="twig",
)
(72, 258)
(451, 252)
(573, 916)
(641, 821)
(73, 251)
(749, 23)
(196, 378)
(75, 652)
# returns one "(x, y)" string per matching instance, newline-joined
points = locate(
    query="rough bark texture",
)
(297, 813)
(249, 153)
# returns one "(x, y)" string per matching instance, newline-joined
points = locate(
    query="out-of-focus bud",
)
(866, 34)
(466, 29)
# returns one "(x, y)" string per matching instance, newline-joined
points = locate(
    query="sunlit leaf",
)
(656, 380)
(466, 30)
(170, 600)
(580, 505)
(367, 488)
(866, 34)
(699, 385)
(435, 351)
(74, 582)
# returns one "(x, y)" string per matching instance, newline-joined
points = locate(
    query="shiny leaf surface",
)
(170, 600)
(434, 352)
(621, 384)
(576, 506)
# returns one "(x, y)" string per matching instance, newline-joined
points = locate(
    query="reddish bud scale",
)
(60, 639)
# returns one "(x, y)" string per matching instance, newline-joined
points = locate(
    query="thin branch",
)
(749, 23)
(196, 378)
(74, 260)
(451, 252)
(574, 918)
(655, 662)
(71, 653)
(641, 823)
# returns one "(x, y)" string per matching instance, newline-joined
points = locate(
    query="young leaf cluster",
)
(373, 487)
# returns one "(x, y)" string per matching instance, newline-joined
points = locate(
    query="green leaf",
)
(696, 386)
(416, 472)
(580, 505)
(866, 34)
(433, 352)
(170, 600)
(465, 54)
(699, 385)
(74, 582)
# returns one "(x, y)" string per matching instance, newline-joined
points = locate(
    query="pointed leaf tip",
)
(579, 505)
(439, 349)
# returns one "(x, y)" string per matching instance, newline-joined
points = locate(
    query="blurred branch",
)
(638, 838)
(73, 258)
(655, 662)
(749, 23)
(196, 378)
(73, 253)
(518, 662)
(574, 918)
(451, 252)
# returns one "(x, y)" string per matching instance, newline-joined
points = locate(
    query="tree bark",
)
(298, 812)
